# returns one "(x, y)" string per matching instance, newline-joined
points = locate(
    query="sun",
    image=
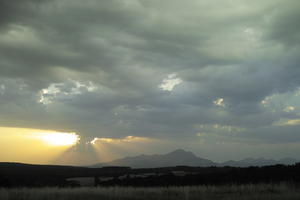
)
(59, 138)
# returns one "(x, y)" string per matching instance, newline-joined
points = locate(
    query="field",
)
(228, 192)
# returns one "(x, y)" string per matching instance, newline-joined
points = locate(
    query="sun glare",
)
(59, 139)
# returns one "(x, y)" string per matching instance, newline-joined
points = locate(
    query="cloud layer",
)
(155, 69)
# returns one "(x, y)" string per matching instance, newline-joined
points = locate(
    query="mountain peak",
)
(181, 152)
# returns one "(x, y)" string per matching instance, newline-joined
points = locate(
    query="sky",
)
(119, 78)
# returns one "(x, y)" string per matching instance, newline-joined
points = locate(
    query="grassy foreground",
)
(230, 192)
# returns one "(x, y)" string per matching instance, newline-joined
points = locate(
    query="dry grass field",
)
(229, 192)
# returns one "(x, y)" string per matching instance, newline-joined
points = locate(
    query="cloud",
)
(219, 102)
(119, 140)
(169, 83)
(288, 122)
(293, 122)
(289, 109)
(109, 69)
(2, 88)
(59, 91)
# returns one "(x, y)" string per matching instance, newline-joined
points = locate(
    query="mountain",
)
(250, 162)
(174, 158)
(181, 157)
(258, 162)
(288, 161)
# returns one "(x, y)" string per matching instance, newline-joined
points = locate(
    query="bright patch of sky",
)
(116, 140)
(170, 82)
(287, 122)
(65, 90)
(219, 102)
(289, 109)
(282, 102)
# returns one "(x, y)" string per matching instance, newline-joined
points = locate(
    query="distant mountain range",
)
(181, 157)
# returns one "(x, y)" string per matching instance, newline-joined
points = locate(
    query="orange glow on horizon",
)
(33, 145)
(52, 147)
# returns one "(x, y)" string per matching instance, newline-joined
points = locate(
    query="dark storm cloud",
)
(96, 67)
(285, 27)
(18, 11)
